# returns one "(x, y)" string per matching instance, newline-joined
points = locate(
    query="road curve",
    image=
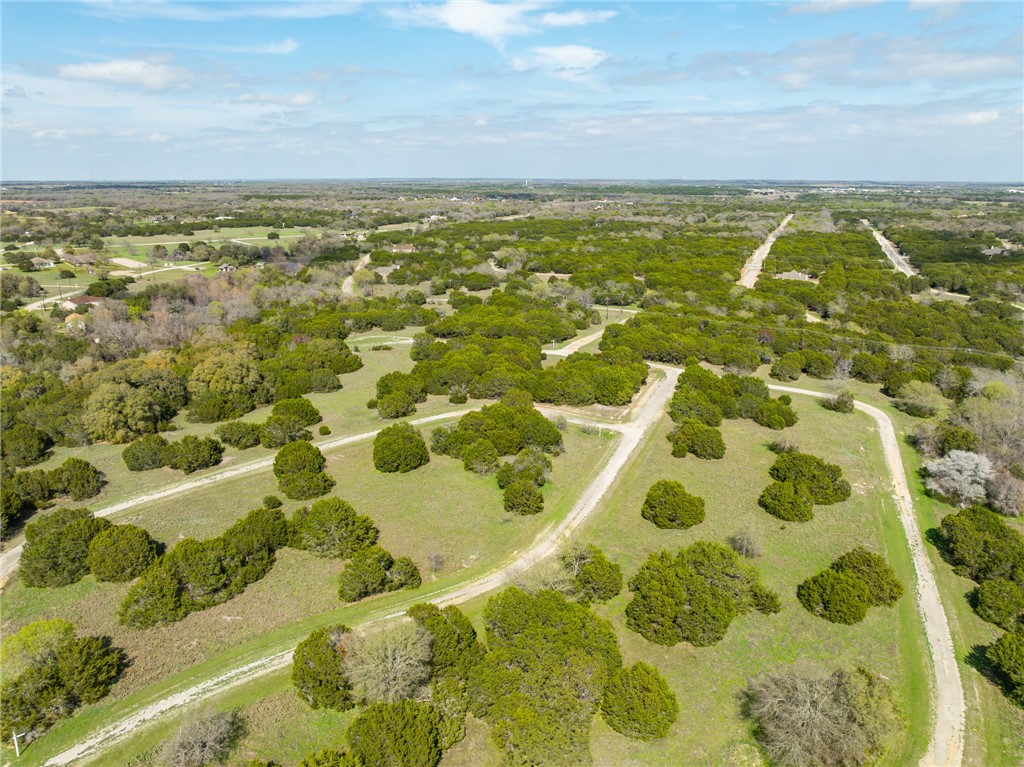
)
(752, 269)
(650, 407)
(946, 745)
(346, 285)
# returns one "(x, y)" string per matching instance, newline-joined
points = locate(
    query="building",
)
(75, 321)
(403, 247)
(42, 263)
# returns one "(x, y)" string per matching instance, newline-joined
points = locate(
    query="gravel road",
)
(752, 269)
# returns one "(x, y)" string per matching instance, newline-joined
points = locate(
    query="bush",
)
(523, 498)
(373, 571)
(1007, 656)
(981, 546)
(788, 500)
(670, 507)
(693, 437)
(331, 528)
(298, 467)
(824, 481)
(845, 719)
(745, 544)
(401, 734)
(638, 703)
(299, 408)
(120, 553)
(145, 453)
(279, 430)
(775, 414)
(24, 445)
(324, 430)
(327, 757)
(192, 453)
(455, 648)
(399, 448)
(272, 502)
(317, 671)
(835, 596)
(398, 404)
(788, 367)
(211, 407)
(530, 464)
(239, 434)
(57, 546)
(1000, 601)
(839, 403)
(76, 478)
(480, 457)
(884, 587)
(595, 577)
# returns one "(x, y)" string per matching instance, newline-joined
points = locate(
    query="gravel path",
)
(648, 409)
(752, 269)
(346, 285)
(946, 745)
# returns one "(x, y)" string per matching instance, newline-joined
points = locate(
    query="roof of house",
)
(80, 300)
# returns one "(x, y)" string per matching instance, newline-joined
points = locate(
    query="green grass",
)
(300, 592)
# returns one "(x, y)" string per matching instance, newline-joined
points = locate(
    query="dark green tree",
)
(638, 703)
(317, 670)
(401, 734)
(669, 506)
(331, 528)
(399, 448)
(120, 553)
(523, 498)
(836, 597)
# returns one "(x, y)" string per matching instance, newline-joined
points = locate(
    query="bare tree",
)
(389, 663)
(959, 475)
(207, 739)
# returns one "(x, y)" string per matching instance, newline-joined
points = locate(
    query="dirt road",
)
(946, 745)
(891, 251)
(752, 269)
(650, 407)
(346, 285)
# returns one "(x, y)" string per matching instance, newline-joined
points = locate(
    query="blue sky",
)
(847, 89)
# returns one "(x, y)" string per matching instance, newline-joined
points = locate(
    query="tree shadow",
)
(978, 659)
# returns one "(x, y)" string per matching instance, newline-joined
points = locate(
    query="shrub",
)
(331, 528)
(299, 408)
(835, 596)
(57, 546)
(744, 543)
(480, 456)
(693, 437)
(845, 719)
(1007, 656)
(952, 438)
(239, 434)
(523, 498)
(638, 703)
(318, 673)
(455, 648)
(596, 578)
(76, 478)
(788, 367)
(305, 485)
(669, 506)
(787, 500)
(11, 507)
(24, 445)
(529, 464)
(884, 587)
(839, 403)
(399, 448)
(327, 757)
(824, 481)
(1000, 601)
(272, 502)
(981, 546)
(299, 469)
(279, 430)
(774, 414)
(324, 430)
(373, 571)
(401, 734)
(145, 453)
(458, 398)
(120, 553)
(211, 407)
(192, 453)
(398, 404)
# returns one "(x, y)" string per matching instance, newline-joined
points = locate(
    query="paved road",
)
(891, 251)
(647, 410)
(946, 745)
(752, 269)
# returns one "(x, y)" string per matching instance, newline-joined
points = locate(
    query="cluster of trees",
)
(35, 488)
(399, 448)
(694, 595)
(188, 454)
(594, 577)
(857, 580)
(287, 423)
(299, 468)
(195, 575)
(49, 672)
(802, 720)
(982, 547)
(67, 544)
(374, 571)
(802, 481)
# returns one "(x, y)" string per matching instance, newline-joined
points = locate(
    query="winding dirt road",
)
(752, 269)
(348, 282)
(648, 409)
(946, 745)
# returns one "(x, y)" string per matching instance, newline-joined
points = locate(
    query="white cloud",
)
(493, 22)
(829, 6)
(15, 92)
(210, 12)
(940, 10)
(151, 75)
(304, 99)
(569, 62)
(576, 18)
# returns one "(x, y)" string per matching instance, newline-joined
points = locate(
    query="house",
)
(794, 276)
(75, 321)
(404, 247)
(223, 268)
(42, 263)
(79, 301)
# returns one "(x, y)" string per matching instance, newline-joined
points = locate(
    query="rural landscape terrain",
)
(481, 473)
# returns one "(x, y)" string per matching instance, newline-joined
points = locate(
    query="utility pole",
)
(16, 734)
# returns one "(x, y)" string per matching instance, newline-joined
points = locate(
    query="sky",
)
(914, 90)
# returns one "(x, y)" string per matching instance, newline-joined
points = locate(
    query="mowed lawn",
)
(439, 509)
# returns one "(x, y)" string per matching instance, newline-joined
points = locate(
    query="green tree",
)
(397, 404)
(788, 500)
(279, 430)
(120, 553)
(399, 448)
(884, 588)
(694, 437)
(299, 408)
(24, 445)
(191, 453)
(835, 596)
(1000, 601)
(240, 434)
(77, 479)
(57, 546)
(638, 703)
(522, 498)
(669, 506)
(331, 528)
(318, 673)
(595, 577)
(365, 574)
(119, 412)
(1007, 655)
(480, 456)
(401, 734)
(145, 453)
